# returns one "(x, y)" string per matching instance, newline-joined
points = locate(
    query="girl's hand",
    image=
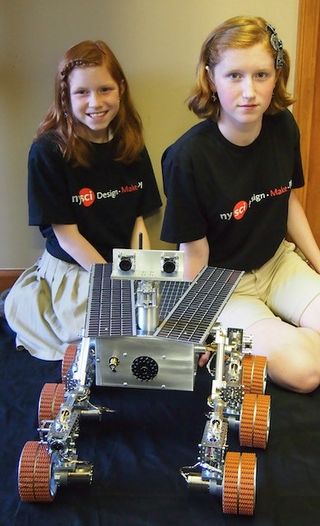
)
(72, 242)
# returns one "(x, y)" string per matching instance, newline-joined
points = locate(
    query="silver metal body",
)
(145, 362)
(148, 265)
(229, 348)
(130, 340)
(147, 306)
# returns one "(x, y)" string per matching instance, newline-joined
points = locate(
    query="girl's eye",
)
(80, 92)
(106, 89)
(262, 75)
(234, 75)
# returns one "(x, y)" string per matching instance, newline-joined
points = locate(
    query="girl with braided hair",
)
(90, 184)
(231, 203)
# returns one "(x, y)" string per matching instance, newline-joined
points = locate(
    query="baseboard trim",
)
(8, 276)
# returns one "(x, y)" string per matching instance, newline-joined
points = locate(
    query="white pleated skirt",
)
(46, 307)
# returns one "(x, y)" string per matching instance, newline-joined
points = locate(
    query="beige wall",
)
(157, 43)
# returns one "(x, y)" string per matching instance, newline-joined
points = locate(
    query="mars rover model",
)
(145, 328)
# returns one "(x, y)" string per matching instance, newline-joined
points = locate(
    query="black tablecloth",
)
(137, 453)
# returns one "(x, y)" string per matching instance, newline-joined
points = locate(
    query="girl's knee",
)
(293, 353)
(303, 385)
(297, 370)
(308, 385)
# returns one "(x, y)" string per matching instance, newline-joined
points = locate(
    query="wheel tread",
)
(254, 370)
(35, 473)
(68, 360)
(239, 483)
(51, 398)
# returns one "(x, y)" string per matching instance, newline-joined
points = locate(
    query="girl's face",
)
(244, 80)
(95, 101)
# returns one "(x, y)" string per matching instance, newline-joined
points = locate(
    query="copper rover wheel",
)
(239, 483)
(247, 485)
(51, 398)
(255, 420)
(68, 360)
(230, 483)
(254, 373)
(34, 475)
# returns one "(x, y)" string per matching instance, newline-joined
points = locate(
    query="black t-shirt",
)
(236, 196)
(103, 200)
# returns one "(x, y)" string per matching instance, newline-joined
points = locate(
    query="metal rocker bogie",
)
(233, 476)
(155, 344)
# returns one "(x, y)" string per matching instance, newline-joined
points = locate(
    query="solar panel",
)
(186, 311)
(170, 294)
(110, 310)
(197, 310)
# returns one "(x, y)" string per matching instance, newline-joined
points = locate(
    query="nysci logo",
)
(240, 209)
(87, 196)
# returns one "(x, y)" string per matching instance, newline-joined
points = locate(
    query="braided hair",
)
(126, 127)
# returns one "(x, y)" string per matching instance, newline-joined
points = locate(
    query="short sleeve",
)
(183, 219)
(48, 195)
(298, 177)
(150, 197)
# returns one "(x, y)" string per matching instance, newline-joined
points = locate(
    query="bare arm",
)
(72, 242)
(300, 232)
(196, 256)
(140, 227)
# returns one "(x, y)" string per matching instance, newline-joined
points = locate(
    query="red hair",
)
(126, 127)
(237, 33)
